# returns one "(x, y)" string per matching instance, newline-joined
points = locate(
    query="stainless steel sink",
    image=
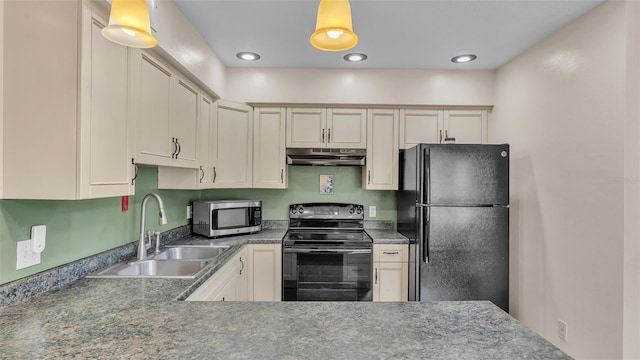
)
(190, 253)
(154, 268)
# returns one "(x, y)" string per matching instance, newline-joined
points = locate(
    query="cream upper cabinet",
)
(326, 128)
(418, 126)
(269, 151)
(231, 148)
(432, 126)
(381, 169)
(265, 276)
(166, 113)
(466, 126)
(77, 142)
(306, 127)
(202, 177)
(390, 272)
(346, 128)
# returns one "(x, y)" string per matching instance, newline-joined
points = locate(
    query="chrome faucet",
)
(142, 245)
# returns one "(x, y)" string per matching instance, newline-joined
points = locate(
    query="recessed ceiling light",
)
(355, 57)
(464, 58)
(248, 56)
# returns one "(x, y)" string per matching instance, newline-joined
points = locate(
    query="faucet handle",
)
(147, 244)
(157, 236)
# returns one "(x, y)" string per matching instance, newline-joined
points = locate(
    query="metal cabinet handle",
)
(223, 298)
(440, 137)
(135, 175)
(179, 148)
(323, 136)
(329, 136)
(391, 252)
(175, 148)
(202, 171)
(282, 176)
(376, 280)
(369, 176)
(215, 175)
(241, 262)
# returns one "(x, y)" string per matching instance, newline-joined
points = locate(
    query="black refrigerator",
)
(453, 205)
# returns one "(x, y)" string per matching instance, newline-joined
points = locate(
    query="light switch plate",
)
(189, 212)
(372, 211)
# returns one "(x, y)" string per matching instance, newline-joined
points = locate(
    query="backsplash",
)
(78, 229)
(304, 187)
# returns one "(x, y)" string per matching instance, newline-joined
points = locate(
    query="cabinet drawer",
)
(391, 253)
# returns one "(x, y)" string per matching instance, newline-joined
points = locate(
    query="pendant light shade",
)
(129, 24)
(334, 31)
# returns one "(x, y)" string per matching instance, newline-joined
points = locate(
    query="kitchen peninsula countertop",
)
(141, 318)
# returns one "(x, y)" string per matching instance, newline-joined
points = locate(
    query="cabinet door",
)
(265, 279)
(418, 126)
(466, 126)
(347, 128)
(233, 143)
(306, 127)
(390, 282)
(205, 174)
(269, 157)
(184, 123)
(153, 126)
(381, 169)
(106, 135)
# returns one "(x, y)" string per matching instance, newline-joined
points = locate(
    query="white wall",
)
(345, 86)
(631, 308)
(1, 93)
(562, 106)
(180, 40)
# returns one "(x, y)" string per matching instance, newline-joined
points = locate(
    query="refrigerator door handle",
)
(426, 231)
(427, 173)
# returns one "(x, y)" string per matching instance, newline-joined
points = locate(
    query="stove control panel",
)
(326, 211)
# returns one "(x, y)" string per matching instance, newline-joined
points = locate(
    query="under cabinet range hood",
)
(318, 156)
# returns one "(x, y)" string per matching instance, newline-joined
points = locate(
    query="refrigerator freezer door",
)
(468, 255)
(466, 174)
(407, 195)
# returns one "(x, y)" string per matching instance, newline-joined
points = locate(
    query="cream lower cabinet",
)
(67, 128)
(253, 274)
(265, 272)
(229, 283)
(381, 169)
(390, 272)
(269, 148)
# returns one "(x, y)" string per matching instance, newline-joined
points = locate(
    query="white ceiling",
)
(394, 34)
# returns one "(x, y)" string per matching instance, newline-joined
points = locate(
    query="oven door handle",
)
(327, 251)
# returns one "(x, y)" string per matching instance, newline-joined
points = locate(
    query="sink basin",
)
(155, 268)
(190, 253)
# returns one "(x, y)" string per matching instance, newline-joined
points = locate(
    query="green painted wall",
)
(77, 229)
(304, 187)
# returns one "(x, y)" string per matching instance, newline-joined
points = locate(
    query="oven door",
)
(326, 273)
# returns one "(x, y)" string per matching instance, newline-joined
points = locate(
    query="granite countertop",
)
(141, 318)
(387, 237)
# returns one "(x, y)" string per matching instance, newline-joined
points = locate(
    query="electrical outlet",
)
(26, 257)
(372, 211)
(189, 212)
(563, 330)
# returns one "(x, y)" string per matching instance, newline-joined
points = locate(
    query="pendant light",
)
(334, 31)
(129, 24)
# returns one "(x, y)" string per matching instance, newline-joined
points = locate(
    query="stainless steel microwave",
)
(226, 217)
